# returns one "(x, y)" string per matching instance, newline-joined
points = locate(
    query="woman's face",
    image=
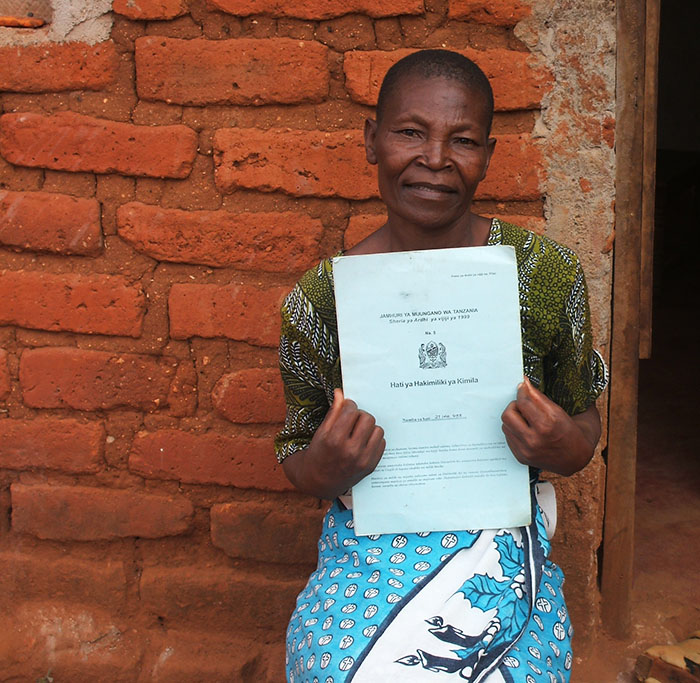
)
(432, 149)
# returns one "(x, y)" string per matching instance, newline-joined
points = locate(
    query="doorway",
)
(674, 298)
(667, 519)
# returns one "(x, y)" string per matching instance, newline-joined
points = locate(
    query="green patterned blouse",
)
(558, 356)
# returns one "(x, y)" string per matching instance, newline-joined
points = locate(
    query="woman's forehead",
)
(415, 90)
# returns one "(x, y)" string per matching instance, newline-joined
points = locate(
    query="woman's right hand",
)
(345, 449)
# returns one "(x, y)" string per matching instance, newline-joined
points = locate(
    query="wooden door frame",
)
(637, 33)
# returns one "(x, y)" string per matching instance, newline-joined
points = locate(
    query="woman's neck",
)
(396, 235)
(473, 232)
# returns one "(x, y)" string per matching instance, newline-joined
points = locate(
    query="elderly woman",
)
(482, 605)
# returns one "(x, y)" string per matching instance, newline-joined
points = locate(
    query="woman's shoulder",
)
(312, 296)
(539, 251)
(317, 282)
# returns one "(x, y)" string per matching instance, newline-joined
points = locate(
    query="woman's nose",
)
(435, 154)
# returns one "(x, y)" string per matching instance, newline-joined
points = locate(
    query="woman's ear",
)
(371, 140)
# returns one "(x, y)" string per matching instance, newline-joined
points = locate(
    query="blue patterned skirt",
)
(482, 606)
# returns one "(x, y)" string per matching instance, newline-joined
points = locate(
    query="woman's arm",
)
(543, 435)
(345, 448)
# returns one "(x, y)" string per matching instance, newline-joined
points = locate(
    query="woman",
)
(476, 605)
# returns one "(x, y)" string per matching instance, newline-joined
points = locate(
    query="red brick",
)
(305, 163)
(361, 226)
(5, 385)
(219, 598)
(94, 380)
(43, 221)
(250, 395)
(210, 458)
(534, 223)
(242, 71)
(182, 396)
(48, 443)
(500, 12)
(298, 162)
(197, 656)
(240, 312)
(52, 67)
(515, 171)
(266, 532)
(82, 513)
(73, 642)
(517, 80)
(46, 574)
(273, 242)
(73, 142)
(91, 304)
(152, 10)
(318, 9)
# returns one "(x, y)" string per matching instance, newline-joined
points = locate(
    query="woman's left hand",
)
(541, 434)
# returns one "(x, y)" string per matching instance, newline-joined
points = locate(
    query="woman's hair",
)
(437, 64)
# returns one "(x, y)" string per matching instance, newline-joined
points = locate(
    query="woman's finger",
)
(513, 417)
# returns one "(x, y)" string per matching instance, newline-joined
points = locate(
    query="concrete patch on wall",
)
(576, 133)
(84, 21)
(576, 129)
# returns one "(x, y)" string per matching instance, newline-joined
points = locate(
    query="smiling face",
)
(432, 148)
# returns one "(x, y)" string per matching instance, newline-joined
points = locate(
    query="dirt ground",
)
(666, 597)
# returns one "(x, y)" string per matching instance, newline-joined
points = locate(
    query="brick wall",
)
(159, 193)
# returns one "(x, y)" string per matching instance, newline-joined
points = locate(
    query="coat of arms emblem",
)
(432, 355)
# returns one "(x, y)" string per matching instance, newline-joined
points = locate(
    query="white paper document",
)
(430, 345)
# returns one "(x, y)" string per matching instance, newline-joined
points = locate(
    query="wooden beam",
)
(618, 531)
(651, 92)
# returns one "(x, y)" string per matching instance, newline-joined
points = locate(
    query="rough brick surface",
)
(243, 71)
(517, 80)
(150, 9)
(304, 163)
(47, 575)
(43, 221)
(318, 9)
(197, 656)
(211, 458)
(300, 163)
(250, 395)
(515, 172)
(241, 312)
(534, 223)
(182, 397)
(94, 380)
(361, 226)
(275, 242)
(52, 67)
(73, 142)
(82, 513)
(92, 304)
(219, 597)
(48, 443)
(255, 531)
(500, 12)
(72, 640)
(5, 384)
(142, 263)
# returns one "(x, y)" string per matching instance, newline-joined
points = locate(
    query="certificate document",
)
(430, 345)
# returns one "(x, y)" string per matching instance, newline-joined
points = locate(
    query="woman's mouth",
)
(430, 190)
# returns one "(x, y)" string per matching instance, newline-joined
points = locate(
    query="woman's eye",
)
(467, 142)
(409, 132)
